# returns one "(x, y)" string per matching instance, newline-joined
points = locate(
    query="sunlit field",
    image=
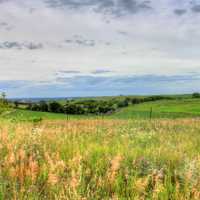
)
(100, 159)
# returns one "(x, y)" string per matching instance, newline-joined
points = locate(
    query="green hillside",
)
(162, 109)
(27, 115)
(179, 108)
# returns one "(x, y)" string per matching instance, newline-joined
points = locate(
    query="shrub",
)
(136, 101)
(122, 104)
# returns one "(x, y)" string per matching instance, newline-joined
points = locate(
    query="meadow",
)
(100, 159)
(125, 155)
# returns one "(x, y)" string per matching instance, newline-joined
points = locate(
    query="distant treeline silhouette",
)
(80, 107)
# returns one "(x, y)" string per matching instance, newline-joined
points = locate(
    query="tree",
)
(35, 107)
(3, 98)
(16, 103)
(43, 106)
(3, 94)
(55, 107)
(105, 109)
(136, 101)
(196, 95)
(123, 103)
(71, 108)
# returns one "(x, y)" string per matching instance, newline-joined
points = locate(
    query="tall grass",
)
(100, 159)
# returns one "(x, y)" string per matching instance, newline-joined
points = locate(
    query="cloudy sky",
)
(99, 47)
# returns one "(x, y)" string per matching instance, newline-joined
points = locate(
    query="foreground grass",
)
(100, 159)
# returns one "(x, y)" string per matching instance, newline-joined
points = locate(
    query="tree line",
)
(80, 107)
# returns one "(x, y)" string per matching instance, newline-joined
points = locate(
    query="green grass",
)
(162, 109)
(179, 108)
(91, 157)
(27, 115)
(100, 159)
(19, 114)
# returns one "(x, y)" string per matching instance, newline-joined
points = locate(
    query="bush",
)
(122, 104)
(136, 101)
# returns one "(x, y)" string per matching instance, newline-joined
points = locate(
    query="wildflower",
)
(11, 158)
(74, 181)
(34, 168)
(52, 179)
(115, 165)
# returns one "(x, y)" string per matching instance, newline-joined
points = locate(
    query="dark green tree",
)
(43, 106)
(196, 95)
(55, 107)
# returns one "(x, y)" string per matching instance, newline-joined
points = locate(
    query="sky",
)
(65, 48)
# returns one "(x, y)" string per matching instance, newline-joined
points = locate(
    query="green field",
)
(88, 157)
(27, 115)
(179, 108)
(162, 109)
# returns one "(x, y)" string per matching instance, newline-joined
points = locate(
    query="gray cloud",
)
(85, 42)
(101, 71)
(69, 72)
(3, 1)
(117, 7)
(5, 26)
(180, 12)
(122, 33)
(196, 8)
(18, 45)
(107, 43)
(82, 42)
(101, 85)
(33, 46)
(10, 45)
(69, 41)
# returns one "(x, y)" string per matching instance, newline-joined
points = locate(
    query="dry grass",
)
(100, 159)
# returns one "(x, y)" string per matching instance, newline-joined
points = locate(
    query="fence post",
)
(151, 111)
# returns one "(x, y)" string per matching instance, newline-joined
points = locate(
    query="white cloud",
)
(157, 41)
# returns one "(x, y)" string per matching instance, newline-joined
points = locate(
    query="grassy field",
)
(100, 159)
(29, 116)
(120, 156)
(26, 115)
(179, 108)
